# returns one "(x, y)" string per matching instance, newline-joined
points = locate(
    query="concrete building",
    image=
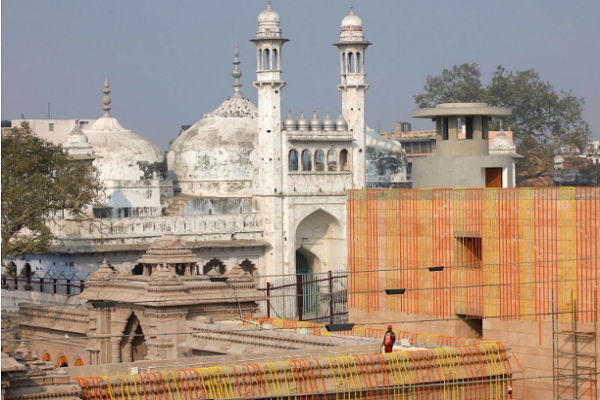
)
(462, 149)
(53, 130)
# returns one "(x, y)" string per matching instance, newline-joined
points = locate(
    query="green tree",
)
(543, 120)
(39, 180)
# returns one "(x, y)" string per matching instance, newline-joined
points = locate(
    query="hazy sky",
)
(169, 62)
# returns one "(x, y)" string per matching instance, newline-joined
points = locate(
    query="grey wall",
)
(459, 172)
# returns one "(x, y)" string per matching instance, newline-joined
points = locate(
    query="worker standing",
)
(389, 338)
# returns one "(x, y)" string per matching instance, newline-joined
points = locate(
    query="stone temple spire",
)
(236, 74)
(106, 100)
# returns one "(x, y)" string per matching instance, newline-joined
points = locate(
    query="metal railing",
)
(307, 297)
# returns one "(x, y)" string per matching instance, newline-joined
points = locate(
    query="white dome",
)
(352, 21)
(386, 161)
(268, 15)
(501, 144)
(120, 151)
(218, 155)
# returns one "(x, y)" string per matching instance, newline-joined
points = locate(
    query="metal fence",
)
(57, 283)
(307, 297)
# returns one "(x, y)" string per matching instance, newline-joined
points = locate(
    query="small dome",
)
(501, 144)
(341, 124)
(352, 20)
(268, 15)
(303, 122)
(328, 123)
(77, 143)
(289, 124)
(315, 123)
(268, 23)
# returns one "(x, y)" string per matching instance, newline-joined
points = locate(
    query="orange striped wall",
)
(505, 252)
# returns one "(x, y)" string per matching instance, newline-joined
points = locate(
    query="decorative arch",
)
(79, 362)
(306, 160)
(248, 266)
(331, 160)
(133, 343)
(319, 160)
(320, 241)
(266, 58)
(344, 160)
(46, 357)
(274, 59)
(293, 160)
(62, 362)
(214, 263)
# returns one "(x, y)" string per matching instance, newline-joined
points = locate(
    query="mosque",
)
(244, 184)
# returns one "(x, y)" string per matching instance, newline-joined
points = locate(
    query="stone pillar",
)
(116, 349)
(127, 351)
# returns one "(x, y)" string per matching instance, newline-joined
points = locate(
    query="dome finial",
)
(106, 100)
(236, 74)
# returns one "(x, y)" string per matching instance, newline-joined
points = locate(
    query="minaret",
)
(352, 46)
(269, 84)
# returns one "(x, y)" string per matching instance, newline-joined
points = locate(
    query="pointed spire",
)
(77, 127)
(236, 74)
(106, 100)
(351, 8)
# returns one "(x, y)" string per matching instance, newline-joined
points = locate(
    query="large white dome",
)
(122, 155)
(218, 155)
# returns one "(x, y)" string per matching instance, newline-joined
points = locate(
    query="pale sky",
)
(169, 62)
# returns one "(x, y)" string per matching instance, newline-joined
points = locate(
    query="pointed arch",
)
(320, 240)
(306, 160)
(293, 160)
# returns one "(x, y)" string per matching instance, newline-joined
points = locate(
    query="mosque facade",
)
(243, 184)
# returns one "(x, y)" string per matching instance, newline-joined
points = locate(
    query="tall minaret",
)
(269, 84)
(268, 184)
(352, 46)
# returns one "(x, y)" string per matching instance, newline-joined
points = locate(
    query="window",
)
(215, 264)
(344, 63)
(344, 162)
(445, 128)
(51, 126)
(306, 161)
(358, 62)
(319, 160)
(266, 59)
(275, 60)
(350, 63)
(469, 128)
(331, 160)
(293, 160)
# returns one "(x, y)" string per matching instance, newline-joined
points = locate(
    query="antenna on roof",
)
(48, 116)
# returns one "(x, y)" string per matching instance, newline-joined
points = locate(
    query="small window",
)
(344, 162)
(293, 160)
(445, 128)
(331, 160)
(275, 60)
(319, 160)
(358, 63)
(51, 126)
(306, 161)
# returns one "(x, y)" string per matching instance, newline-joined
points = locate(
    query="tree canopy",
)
(39, 180)
(543, 120)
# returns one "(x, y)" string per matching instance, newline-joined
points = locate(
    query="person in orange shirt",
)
(389, 338)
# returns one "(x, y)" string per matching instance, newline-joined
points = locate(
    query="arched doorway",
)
(133, 342)
(320, 242)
